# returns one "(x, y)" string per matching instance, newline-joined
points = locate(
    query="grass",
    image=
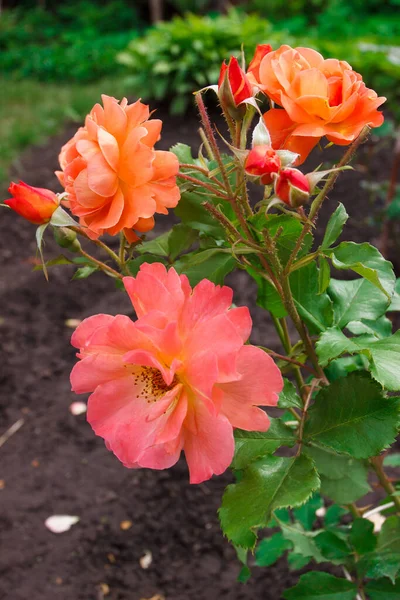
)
(31, 111)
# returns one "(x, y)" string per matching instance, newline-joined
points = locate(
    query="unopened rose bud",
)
(34, 204)
(233, 89)
(66, 238)
(254, 66)
(292, 187)
(262, 161)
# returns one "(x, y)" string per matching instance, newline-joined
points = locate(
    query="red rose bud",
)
(233, 88)
(292, 187)
(254, 66)
(34, 204)
(262, 161)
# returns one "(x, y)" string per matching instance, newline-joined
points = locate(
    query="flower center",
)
(150, 384)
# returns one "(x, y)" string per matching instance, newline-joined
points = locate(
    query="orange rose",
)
(319, 98)
(114, 178)
(34, 204)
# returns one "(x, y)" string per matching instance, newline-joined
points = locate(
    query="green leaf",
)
(321, 586)
(267, 296)
(332, 546)
(244, 574)
(252, 445)
(60, 218)
(385, 359)
(324, 275)
(84, 272)
(385, 561)
(384, 354)
(382, 589)
(362, 536)
(59, 260)
(135, 264)
(380, 328)
(333, 515)
(343, 479)
(352, 416)
(297, 561)
(39, 241)
(341, 367)
(171, 243)
(289, 398)
(395, 304)
(285, 231)
(314, 308)
(181, 238)
(392, 460)
(355, 300)
(213, 264)
(335, 226)
(305, 514)
(303, 541)
(332, 343)
(393, 209)
(157, 246)
(191, 211)
(183, 152)
(346, 489)
(367, 261)
(270, 483)
(270, 549)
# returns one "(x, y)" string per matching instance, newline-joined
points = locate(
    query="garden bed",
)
(55, 465)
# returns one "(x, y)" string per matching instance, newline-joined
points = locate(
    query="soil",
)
(55, 465)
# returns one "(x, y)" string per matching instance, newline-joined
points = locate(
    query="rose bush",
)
(182, 376)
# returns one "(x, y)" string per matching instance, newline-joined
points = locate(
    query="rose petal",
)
(60, 523)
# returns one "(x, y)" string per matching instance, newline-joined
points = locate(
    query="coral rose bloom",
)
(177, 378)
(319, 98)
(114, 178)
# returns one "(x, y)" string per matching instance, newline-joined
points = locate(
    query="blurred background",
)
(57, 57)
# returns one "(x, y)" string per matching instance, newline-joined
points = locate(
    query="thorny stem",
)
(210, 188)
(206, 144)
(376, 463)
(98, 243)
(122, 249)
(212, 141)
(298, 323)
(282, 329)
(361, 595)
(287, 359)
(101, 265)
(355, 511)
(283, 288)
(313, 385)
(317, 203)
(203, 172)
(223, 220)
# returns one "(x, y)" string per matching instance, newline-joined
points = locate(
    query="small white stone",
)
(60, 523)
(78, 408)
(146, 560)
(73, 323)
(378, 520)
(321, 512)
